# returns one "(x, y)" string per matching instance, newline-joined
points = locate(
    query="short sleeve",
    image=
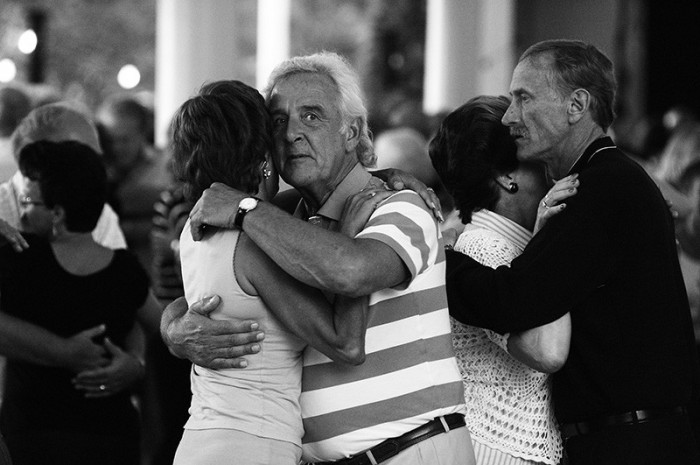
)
(404, 223)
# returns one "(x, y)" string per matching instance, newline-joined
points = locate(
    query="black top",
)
(35, 288)
(610, 259)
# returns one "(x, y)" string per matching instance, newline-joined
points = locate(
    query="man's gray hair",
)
(351, 104)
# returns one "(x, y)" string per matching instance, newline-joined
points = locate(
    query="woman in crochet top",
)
(505, 377)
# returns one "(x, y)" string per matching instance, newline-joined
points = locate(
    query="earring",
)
(266, 172)
(512, 187)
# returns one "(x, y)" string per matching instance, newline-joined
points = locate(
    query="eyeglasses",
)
(26, 201)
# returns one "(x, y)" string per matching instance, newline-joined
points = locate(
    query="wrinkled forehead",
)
(304, 89)
(534, 75)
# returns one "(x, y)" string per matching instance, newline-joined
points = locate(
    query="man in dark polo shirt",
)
(610, 259)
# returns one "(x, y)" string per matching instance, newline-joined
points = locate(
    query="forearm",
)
(477, 296)
(350, 322)
(21, 340)
(322, 259)
(168, 331)
(544, 348)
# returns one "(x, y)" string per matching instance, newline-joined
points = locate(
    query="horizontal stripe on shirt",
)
(399, 357)
(363, 415)
(388, 329)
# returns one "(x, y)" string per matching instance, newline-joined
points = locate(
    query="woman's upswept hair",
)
(470, 149)
(578, 65)
(221, 135)
(351, 102)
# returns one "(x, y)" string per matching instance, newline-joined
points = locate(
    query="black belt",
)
(389, 448)
(634, 417)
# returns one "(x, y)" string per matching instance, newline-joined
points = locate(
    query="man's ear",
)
(579, 103)
(352, 135)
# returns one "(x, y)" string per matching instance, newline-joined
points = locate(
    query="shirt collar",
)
(597, 145)
(507, 228)
(332, 208)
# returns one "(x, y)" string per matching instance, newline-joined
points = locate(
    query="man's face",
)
(537, 115)
(35, 217)
(310, 149)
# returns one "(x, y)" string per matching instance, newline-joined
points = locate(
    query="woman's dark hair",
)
(470, 149)
(71, 175)
(221, 135)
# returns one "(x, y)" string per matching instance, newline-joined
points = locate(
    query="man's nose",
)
(293, 129)
(509, 117)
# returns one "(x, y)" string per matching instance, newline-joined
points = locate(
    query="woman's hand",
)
(12, 236)
(122, 373)
(550, 204)
(399, 180)
(449, 238)
(359, 207)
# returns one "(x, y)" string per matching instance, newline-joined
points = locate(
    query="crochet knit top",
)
(509, 406)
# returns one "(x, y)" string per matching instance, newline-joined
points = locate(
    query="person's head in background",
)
(15, 104)
(55, 122)
(223, 134)
(407, 149)
(64, 190)
(681, 151)
(124, 125)
(475, 157)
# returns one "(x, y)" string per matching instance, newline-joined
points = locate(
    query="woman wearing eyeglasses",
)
(65, 283)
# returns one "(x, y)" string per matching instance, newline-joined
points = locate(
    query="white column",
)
(469, 51)
(196, 42)
(496, 46)
(272, 37)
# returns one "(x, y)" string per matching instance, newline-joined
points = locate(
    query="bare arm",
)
(12, 236)
(322, 259)
(127, 366)
(338, 333)
(544, 348)
(25, 341)
(189, 333)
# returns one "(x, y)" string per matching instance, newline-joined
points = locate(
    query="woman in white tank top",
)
(249, 416)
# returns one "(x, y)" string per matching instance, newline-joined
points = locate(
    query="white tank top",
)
(262, 399)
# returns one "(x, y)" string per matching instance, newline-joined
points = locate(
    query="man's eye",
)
(310, 117)
(279, 120)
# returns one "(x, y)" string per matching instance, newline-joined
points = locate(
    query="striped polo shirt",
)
(410, 375)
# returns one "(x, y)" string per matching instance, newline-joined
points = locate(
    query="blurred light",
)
(8, 70)
(129, 77)
(27, 42)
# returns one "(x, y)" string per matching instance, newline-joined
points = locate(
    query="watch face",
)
(248, 203)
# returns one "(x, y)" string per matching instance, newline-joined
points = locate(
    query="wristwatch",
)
(244, 206)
